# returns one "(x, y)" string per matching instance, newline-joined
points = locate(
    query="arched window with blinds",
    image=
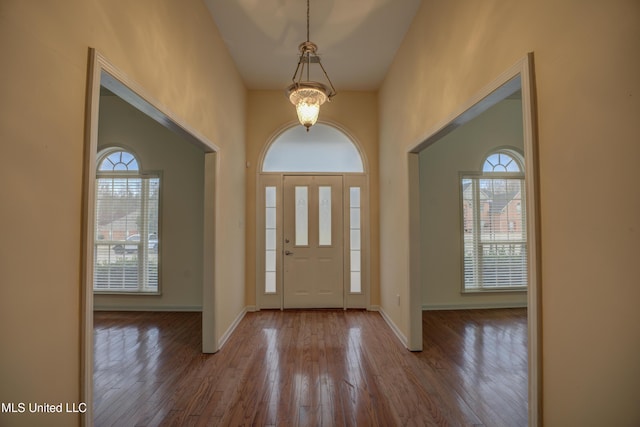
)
(126, 225)
(494, 224)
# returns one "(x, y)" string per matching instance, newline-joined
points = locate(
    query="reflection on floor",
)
(324, 367)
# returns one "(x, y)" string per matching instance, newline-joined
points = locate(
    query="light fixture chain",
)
(308, 20)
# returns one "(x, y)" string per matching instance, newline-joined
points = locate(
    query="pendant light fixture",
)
(308, 95)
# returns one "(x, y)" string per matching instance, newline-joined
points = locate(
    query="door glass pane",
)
(270, 261)
(324, 215)
(355, 260)
(270, 239)
(302, 215)
(270, 218)
(354, 197)
(356, 286)
(270, 197)
(355, 218)
(270, 272)
(270, 282)
(355, 239)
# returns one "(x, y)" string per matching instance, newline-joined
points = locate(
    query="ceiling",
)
(357, 39)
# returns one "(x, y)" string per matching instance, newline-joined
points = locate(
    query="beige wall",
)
(268, 114)
(173, 50)
(587, 64)
(181, 164)
(463, 150)
(587, 68)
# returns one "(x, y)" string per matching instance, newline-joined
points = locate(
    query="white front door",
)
(313, 242)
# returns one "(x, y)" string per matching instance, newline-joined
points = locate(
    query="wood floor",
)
(311, 368)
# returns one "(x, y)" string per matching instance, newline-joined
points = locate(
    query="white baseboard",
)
(476, 306)
(394, 327)
(251, 308)
(146, 308)
(223, 339)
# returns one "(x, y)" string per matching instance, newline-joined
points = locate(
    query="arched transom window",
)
(502, 161)
(494, 224)
(118, 161)
(323, 149)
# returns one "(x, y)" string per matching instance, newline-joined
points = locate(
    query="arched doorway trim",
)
(270, 218)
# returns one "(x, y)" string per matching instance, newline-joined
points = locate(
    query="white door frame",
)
(487, 97)
(103, 73)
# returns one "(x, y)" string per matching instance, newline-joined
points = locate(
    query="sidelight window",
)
(270, 239)
(355, 248)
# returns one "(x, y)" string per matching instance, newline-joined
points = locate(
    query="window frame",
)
(475, 177)
(143, 251)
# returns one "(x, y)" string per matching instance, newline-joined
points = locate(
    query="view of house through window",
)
(494, 225)
(126, 225)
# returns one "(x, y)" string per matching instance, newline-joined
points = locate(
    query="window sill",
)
(156, 293)
(494, 291)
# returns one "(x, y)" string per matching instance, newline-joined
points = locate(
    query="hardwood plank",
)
(322, 367)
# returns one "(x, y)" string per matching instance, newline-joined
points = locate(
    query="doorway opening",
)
(106, 80)
(313, 221)
(516, 86)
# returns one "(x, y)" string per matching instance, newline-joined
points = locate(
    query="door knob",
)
(288, 253)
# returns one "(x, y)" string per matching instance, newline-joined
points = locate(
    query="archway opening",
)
(313, 221)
